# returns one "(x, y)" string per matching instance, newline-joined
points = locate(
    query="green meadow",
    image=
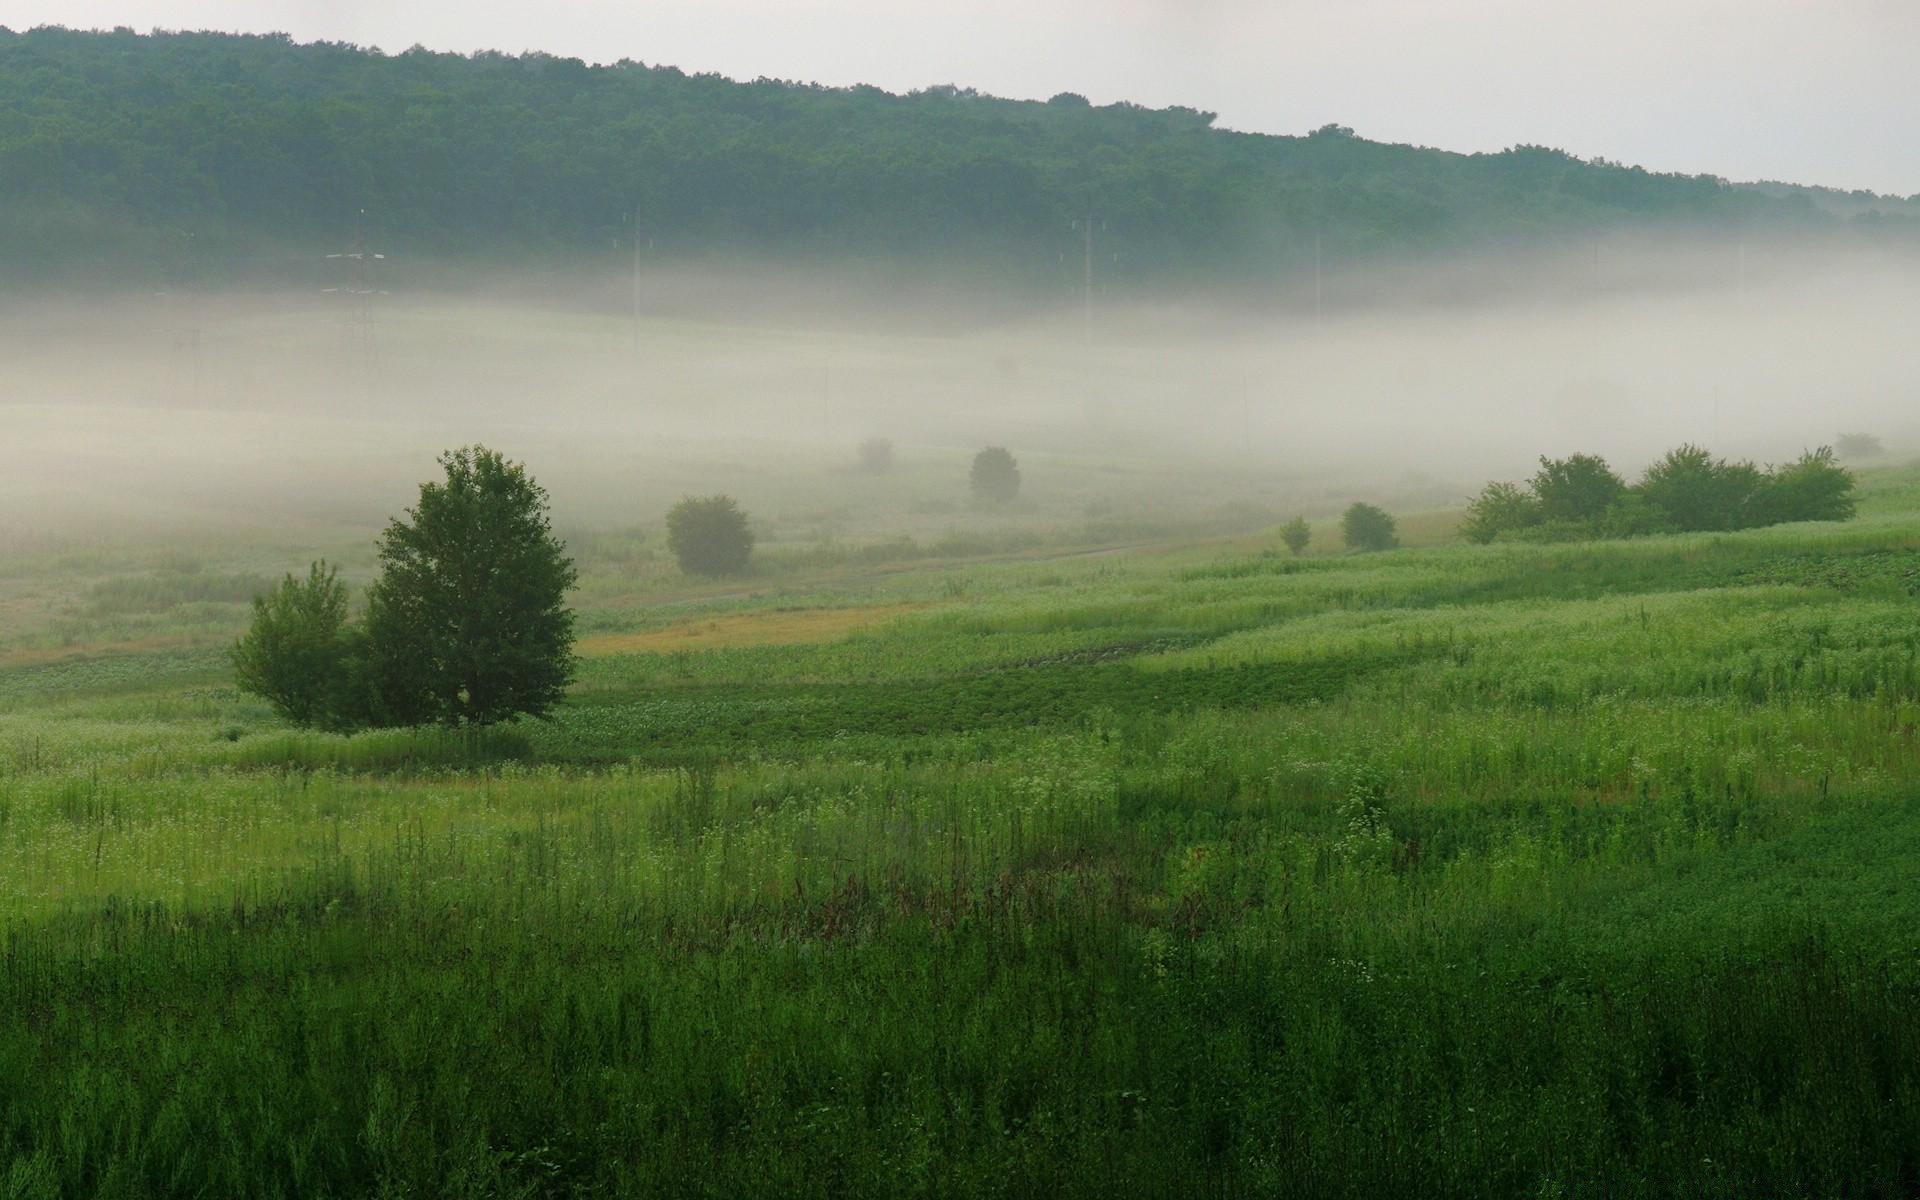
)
(997, 869)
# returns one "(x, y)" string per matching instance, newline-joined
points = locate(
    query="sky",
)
(1807, 91)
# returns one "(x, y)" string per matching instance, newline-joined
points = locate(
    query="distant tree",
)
(1695, 491)
(1577, 489)
(1296, 535)
(1364, 527)
(1499, 508)
(295, 653)
(468, 622)
(709, 535)
(1814, 488)
(876, 455)
(1859, 445)
(995, 476)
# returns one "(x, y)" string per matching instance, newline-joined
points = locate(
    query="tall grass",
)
(1517, 871)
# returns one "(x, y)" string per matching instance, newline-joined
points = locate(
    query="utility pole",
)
(1087, 281)
(1316, 288)
(359, 291)
(633, 221)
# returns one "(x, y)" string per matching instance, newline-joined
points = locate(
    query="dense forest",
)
(126, 150)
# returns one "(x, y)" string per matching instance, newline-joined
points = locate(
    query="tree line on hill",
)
(177, 149)
(1687, 490)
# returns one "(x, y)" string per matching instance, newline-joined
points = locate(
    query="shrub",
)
(876, 455)
(1364, 527)
(1499, 508)
(1814, 488)
(468, 624)
(995, 477)
(295, 653)
(1695, 491)
(1296, 535)
(1580, 488)
(709, 535)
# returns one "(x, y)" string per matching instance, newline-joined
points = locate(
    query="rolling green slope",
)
(1520, 870)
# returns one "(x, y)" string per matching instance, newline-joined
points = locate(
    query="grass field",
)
(1543, 871)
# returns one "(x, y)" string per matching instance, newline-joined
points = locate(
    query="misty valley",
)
(1367, 672)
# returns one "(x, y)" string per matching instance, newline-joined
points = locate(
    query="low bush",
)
(1687, 490)
(1366, 527)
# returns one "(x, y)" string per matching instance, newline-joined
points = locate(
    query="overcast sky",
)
(1813, 91)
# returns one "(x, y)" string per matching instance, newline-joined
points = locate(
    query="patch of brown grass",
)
(764, 628)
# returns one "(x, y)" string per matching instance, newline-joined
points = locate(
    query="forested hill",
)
(120, 148)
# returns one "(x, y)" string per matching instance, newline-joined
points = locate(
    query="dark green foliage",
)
(1576, 489)
(995, 477)
(295, 655)
(1366, 527)
(709, 535)
(1814, 488)
(468, 622)
(1296, 535)
(1687, 490)
(1499, 508)
(1697, 491)
(114, 144)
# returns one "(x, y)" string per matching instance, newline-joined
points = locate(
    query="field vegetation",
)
(1522, 869)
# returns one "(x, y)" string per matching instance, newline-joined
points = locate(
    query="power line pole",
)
(1086, 282)
(1316, 288)
(633, 220)
(359, 291)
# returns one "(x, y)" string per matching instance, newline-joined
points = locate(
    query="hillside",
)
(1502, 871)
(155, 152)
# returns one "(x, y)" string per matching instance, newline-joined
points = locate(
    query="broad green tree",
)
(1365, 527)
(709, 535)
(1580, 488)
(468, 623)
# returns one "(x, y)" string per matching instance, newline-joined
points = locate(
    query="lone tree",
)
(468, 623)
(995, 477)
(295, 654)
(709, 535)
(1296, 535)
(1364, 527)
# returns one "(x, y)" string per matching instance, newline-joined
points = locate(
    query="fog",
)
(1409, 385)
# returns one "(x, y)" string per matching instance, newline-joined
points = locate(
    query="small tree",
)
(1581, 488)
(294, 655)
(1499, 508)
(1815, 488)
(995, 477)
(1364, 527)
(1296, 534)
(876, 455)
(1696, 491)
(709, 535)
(468, 623)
